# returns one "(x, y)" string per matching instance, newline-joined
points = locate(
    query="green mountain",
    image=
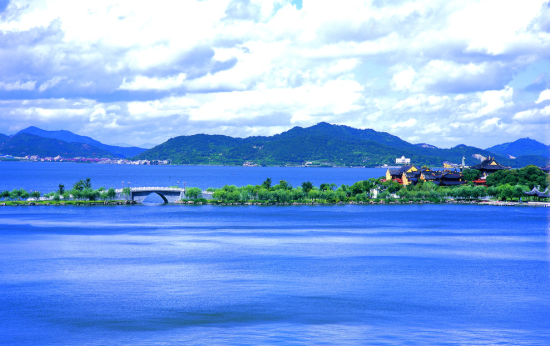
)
(322, 143)
(70, 137)
(23, 144)
(523, 146)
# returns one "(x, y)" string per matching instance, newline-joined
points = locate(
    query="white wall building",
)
(402, 160)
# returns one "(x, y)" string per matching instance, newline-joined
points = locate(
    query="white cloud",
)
(409, 123)
(146, 83)
(543, 96)
(403, 80)
(51, 83)
(533, 115)
(218, 66)
(18, 86)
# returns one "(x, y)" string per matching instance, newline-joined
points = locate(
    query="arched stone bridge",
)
(168, 194)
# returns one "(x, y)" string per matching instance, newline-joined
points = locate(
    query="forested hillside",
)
(25, 144)
(322, 144)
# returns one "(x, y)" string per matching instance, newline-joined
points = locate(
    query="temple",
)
(410, 175)
(489, 166)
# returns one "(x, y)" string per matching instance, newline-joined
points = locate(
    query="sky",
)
(141, 72)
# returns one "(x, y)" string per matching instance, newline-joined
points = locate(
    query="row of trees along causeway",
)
(81, 191)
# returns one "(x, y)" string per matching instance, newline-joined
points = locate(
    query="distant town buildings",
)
(109, 161)
(403, 160)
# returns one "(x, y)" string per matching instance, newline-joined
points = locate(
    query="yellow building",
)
(398, 173)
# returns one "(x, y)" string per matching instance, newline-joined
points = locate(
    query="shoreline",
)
(191, 203)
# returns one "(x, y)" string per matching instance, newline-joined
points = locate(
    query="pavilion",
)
(536, 193)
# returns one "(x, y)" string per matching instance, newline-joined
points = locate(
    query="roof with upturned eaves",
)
(489, 164)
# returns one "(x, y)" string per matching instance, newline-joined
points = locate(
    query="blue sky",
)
(440, 72)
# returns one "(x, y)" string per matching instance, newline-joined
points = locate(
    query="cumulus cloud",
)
(543, 96)
(441, 72)
(409, 123)
(17, 85)
(146, 83)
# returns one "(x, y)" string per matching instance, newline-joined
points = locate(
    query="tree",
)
(283, 184)
(24, 194)
(126, 192)
(307, 186)
(267, 183)
(15, 194)
(471, 174)
(5, 194)
(79, 185)
(193, 192)
(313, 194)
(56, 197)
(61, 189)
(111, 193)
(88, 183)
(35, 194)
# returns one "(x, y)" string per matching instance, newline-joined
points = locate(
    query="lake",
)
(249, 275)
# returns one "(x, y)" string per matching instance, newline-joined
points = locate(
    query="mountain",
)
(70, 137)
(3, 138)
(23, 144)
(523, 146)
(324, 143)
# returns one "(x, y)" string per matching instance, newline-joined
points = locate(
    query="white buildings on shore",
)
(403, 160)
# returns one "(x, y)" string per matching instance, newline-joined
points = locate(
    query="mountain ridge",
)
(323, 142)
(70, 137)
(23, 144)
(521, 147)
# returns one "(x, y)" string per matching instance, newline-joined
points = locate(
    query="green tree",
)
(111, 193)
(35, 194)
(307, 186)
(61, 189)
(5, 194)
(126, 192)
(15, 194)
(267, 183)
(471, 174)
(193, 192)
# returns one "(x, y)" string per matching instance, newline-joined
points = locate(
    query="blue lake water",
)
(46, 176)
(173, 274)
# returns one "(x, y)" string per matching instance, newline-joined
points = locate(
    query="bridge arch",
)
(168, 195)
(165, 200)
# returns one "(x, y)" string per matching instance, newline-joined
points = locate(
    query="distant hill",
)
(70, 137)
(3, 138)
(523, 146)
(323, 143)
(537, 160)
(23, 144)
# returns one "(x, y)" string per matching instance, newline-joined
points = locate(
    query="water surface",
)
(172, 275)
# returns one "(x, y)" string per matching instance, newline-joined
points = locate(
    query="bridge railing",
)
(152, 188)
